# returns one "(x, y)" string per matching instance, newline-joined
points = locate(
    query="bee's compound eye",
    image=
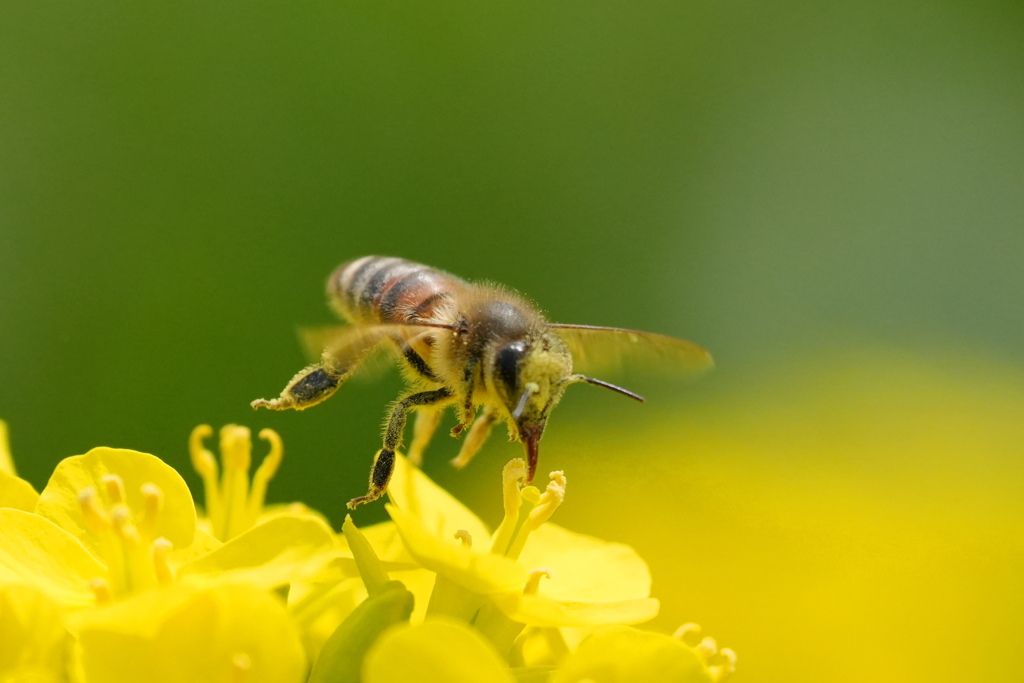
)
(506, 363)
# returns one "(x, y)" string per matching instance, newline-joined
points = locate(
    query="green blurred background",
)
(829, 196)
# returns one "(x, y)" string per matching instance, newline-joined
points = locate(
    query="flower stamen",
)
(95, 516)
(233, 502)
(152, 506)
(127, 532)
(101, 591)
(533, 583)
(707, 649)
(159, 552)
(552, 497)
(264, 473)
(205, 464)
(512, 478)
(688, 633)
(241, 665)
(537, 509)
(721, 671)
(465, 537)
(114, 486)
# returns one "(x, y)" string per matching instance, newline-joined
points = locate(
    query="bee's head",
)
(530, 376)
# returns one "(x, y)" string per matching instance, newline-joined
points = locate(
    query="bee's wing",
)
(350, 345)
(315, 340)
(602, 349)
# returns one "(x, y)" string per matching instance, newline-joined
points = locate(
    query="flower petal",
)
(59, 500)
(386, 543)
(36, 552)
(16, 493)
(414, 492)
(584, 568)
(482, 573)
(341, 657)
(33, 635)
(436, 650)
(281, 550)
(620, 654)
(184, 634)
(540, 610)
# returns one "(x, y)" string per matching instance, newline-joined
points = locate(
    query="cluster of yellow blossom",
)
(110, 576)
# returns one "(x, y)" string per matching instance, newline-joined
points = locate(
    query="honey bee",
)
(481, 348)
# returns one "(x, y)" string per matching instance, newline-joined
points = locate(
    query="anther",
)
(152, 506)
(549, 501)
(272, 461)
(121, 518)
(512, 478)
(236, 447)
(202, 460)
(688, 633)
(241, 665)
(533, 583)
(160, 552)
(95, 516)
(101, 591)
(264, 473)
(464, 536)
(114, 486)
(721, 671)
(706, 648)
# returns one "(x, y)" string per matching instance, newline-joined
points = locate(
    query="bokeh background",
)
(829, 196)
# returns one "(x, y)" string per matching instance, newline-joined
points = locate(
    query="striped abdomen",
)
(382, 289)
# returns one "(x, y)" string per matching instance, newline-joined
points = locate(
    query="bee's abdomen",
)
(388, 290)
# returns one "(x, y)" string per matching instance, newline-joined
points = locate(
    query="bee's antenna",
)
(606, 385)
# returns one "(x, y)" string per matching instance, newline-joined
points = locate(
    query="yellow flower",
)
(236, 510)
(114, 532)
(586, 582)
(620, 654)
(234, 501)
(33, 639)
(437, 650)
(114, 522)
(218, 634)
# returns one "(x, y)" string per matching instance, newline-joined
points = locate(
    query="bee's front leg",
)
(308, 387)
(384, 462)
(466, 412)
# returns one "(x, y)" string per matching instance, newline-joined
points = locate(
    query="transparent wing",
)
(348, 346)
(374, 363)
(610, 349)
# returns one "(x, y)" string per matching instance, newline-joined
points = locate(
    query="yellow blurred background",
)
(827, 196)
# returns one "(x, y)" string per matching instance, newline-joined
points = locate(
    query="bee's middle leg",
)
(384, 463)
(478, 434)
(427, 421)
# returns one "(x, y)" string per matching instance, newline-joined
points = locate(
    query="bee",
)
(481, 348)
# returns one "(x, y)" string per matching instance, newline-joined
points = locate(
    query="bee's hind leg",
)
(309, 386)
(384, 463)
(478, 434)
